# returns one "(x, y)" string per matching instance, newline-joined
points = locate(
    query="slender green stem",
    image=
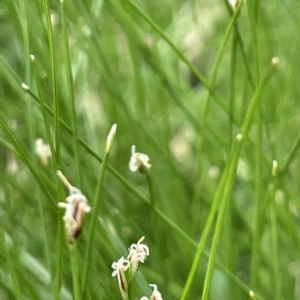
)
(258, 156)
(32, 123)
(75, 271)
(57, 148)
(224, 201)
(219, 193)
(24, 27)
(291, 155)
(58, 265)
(150, 187)
(95, 210)
(204, 236)
(25, 159)
(241, 46)
(71, 91)
(219, 58)
(45, 233)
(91, 234)
(43, 109)
(31, 167)
(274, 239)
(232, 89)
(16, 286)
(54, 83)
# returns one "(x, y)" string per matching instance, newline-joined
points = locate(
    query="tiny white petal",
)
(132, 150)
(133, 165)
(139, 161)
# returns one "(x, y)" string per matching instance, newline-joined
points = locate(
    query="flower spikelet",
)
(119, 268)
(137, 254)
(76, 206)
(139, 161)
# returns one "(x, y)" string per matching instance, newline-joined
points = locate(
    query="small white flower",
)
(138, 251)
(156, 295)
(42, 150)
(76, 206)
(137, 254)
(139, 161)
(119, 267)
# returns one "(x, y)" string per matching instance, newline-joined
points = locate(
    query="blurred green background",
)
(177, 77)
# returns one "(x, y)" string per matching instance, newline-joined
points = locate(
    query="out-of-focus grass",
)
(152, 68)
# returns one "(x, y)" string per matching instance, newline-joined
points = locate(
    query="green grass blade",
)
(16, 286)
(95, 210)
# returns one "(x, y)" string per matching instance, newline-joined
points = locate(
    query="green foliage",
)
(196, 87)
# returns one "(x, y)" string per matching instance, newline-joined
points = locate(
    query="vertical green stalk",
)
(95, 209)
(213, 79)
(75, 271)
(16, 287)
(274, 240)
(225, 198)
(45, 234)
(219, 58)
(54, 84)
(211, 85)
(150, 188)
(224, 187)
(57, 148)
(204, 236)
(258, 154)
(241, 46)
(231, 105)
(50, 141)
(291, 155)
(232, 89)
(24, 28)
(71, 90)
(43, 109)
(231, 176)
(31, 124)
(59, 237)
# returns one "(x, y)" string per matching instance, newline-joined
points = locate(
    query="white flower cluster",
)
(76, 206)
(137, 254)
